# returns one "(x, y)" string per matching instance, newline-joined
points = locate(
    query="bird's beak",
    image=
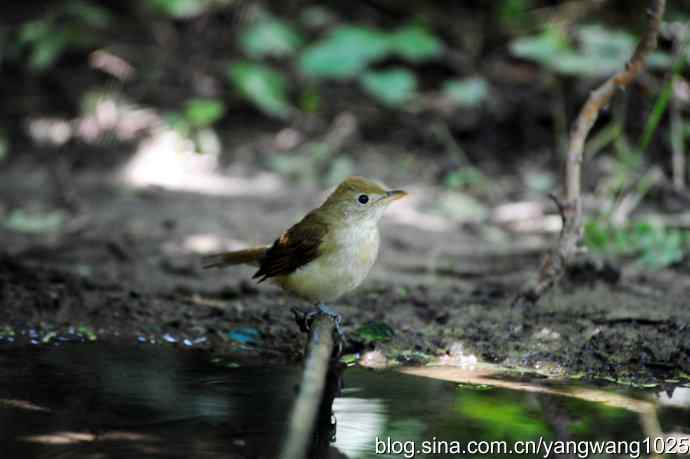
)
(394, 195)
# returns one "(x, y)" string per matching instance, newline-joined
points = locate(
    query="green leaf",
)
(596, 236)
(663, 249)
(601, 51)
(203, 112)
(544, 48)
(347, 359)
(270, 37)
(393, 87)
(262, 85)
(33, 31)
(34, 223)
(180, 9)
(89, 13)
(46, 52)
(604, 51)
(470, 92)
(374, 332)
(415, 44)
(654, 246)
(515, 12)
(344, 53)
(87, 332)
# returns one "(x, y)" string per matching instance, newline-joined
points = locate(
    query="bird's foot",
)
(305, 318)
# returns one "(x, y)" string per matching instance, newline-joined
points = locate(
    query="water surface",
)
(100, 400)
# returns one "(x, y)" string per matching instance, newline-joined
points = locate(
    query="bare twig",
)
(677, 148)
(556, 262)
(314, 381)
(681, 36)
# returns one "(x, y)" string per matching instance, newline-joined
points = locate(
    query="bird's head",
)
(359, 200)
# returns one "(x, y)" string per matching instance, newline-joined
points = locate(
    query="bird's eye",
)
(363, 199)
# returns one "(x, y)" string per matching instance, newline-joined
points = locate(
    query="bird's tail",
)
(240, 257)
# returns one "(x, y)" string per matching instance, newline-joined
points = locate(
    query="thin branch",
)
(601, 96)
(556, 262)
(314, 380)
(681, 37)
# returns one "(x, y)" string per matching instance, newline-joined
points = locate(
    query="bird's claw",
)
(304, 319)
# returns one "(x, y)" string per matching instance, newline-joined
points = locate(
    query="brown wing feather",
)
(294, 248)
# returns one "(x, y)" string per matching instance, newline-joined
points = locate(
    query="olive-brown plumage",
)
(327, 253)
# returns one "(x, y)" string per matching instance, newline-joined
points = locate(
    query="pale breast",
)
(337, 271)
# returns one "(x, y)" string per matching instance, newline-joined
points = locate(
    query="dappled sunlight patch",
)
(203, 243)
(170, 160)
(495, 376)
(107, 113)
(22, 405)
(459, 356)
(373, 359)
(60, 438)
(526, 216)
(71, 438)
(49, 131)
(679, 397)
(112, 64)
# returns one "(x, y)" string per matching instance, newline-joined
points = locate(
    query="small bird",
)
(329, 252)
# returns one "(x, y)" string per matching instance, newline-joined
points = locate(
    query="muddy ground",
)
(125, 264)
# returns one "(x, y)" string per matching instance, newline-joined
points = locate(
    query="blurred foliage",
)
(262, 85)
(34, 222)
(195, 121)
(343, 53)
(74, 25)
(514, 13)
(374, 332)
(466, 177)
(201, 113)
(469, 92)
(314, 161)
(281, 64)
(393, 87)
(349, 50)
(183, 9)
(664, 98)
(599, 51)
(653, 245)
(346, 52)
(270, 37)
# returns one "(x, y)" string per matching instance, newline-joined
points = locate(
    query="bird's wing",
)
(295, 248)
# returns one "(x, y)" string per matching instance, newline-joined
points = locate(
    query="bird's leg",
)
(324, 309)
(305, 318)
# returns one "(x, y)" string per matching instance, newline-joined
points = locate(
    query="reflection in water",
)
(678, 397)
(104, 401)
(359, 421)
